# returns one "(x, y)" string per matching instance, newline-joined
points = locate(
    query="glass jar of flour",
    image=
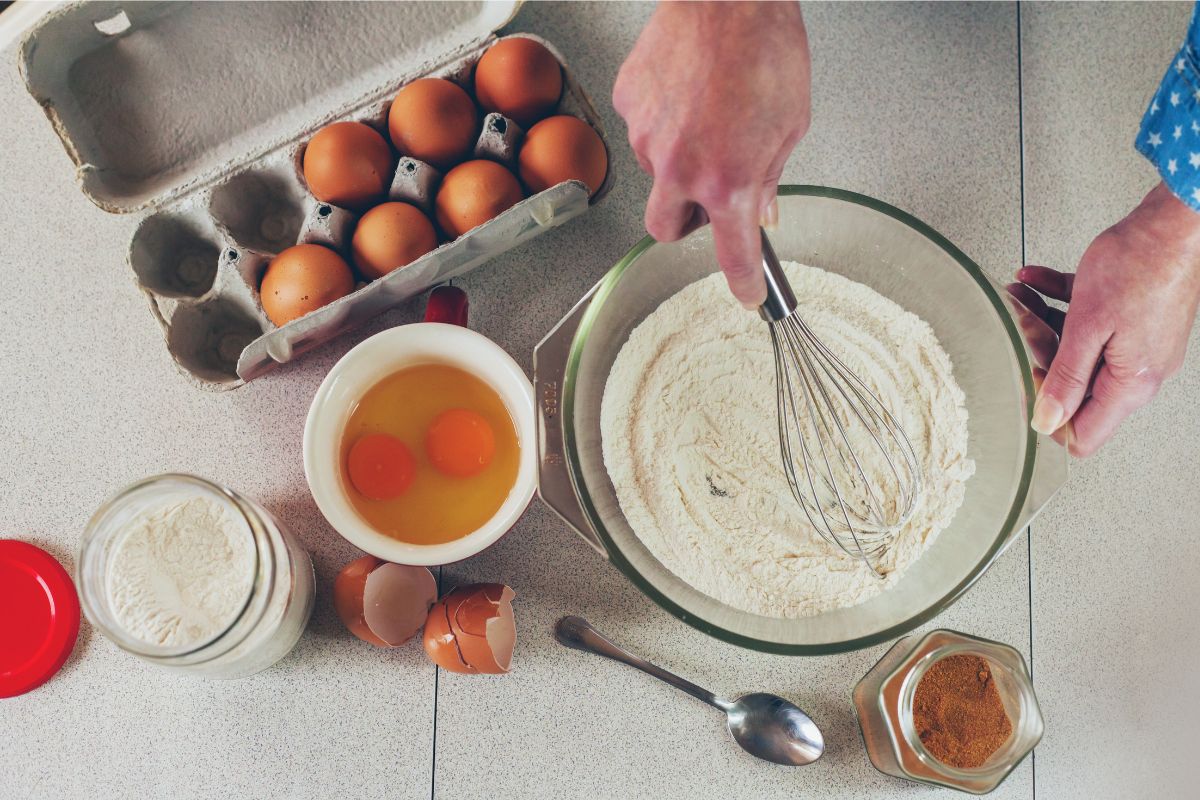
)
(191, 576)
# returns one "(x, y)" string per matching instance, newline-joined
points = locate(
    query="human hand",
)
(716, 96)
(1132, 302)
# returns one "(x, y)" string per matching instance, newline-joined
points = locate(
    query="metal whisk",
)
(829, 422)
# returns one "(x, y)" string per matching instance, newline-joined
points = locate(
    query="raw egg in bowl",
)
(419, 447)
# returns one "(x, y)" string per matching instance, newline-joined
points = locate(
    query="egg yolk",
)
(460, 443)
(381, 467)
(439, 506)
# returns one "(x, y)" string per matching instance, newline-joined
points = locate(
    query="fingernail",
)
(770, 216)
(1047, 415)
(750, 306)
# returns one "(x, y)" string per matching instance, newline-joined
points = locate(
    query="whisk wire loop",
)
(783, 380)
(855, 505)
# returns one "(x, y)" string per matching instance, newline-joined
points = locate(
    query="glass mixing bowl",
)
(901, 258)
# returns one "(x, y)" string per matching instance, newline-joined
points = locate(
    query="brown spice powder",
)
(958, 713)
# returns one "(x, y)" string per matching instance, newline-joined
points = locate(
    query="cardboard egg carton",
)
(209, 230)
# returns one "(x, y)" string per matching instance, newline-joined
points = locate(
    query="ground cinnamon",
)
(958, 713)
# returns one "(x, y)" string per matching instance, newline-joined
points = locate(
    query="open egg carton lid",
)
(196, 114)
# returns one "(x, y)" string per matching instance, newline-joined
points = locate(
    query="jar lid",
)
(41, 617)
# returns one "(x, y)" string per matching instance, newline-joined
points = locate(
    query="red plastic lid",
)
(39, 617)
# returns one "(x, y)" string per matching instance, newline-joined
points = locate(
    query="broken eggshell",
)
(382, 603)
(472, 630)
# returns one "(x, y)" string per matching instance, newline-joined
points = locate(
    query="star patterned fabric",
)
(1170, 132)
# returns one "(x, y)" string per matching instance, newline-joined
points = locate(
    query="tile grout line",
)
(437, 674)
(437, 671)
(433, 761)
(1021, 165)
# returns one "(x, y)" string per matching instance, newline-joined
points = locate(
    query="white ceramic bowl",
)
(372, 361)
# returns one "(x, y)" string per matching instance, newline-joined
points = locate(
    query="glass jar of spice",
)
(949, 709)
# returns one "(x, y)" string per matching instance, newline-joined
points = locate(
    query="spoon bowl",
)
(767, 726)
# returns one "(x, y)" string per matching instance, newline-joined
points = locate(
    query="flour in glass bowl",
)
(690, 442)
(181, 573)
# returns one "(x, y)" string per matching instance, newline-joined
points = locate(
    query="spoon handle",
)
(578, 634)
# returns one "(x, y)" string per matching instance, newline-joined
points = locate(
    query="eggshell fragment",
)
(486, 628)
(472, 630)
(382, 603)
(348, 597)
(396, 601)
(441, 644)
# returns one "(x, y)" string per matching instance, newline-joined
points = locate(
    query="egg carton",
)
(209, 230)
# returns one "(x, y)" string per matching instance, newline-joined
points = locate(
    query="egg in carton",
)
(200, 250)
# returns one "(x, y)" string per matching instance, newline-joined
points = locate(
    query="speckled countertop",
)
(1007, 129)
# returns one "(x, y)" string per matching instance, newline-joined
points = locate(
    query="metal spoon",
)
(765, 725)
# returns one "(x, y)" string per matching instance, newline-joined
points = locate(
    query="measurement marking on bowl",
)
(550, 399)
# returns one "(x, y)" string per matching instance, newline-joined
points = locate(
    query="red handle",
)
(447, 304)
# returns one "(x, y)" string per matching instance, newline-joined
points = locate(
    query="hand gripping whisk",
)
(848, 462)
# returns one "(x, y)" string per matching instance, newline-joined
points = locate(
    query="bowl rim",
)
(322, 479)
(575, 466)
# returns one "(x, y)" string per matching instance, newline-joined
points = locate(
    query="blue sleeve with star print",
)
(1170, 132)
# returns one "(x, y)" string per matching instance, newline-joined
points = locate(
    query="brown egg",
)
(474, 192)
(302, 279)
(433, 120)
(390, 236)
(348, 164)
(520, 78)
(560, 149)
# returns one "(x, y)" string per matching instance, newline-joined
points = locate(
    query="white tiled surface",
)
(915, 104)
(1115, 595)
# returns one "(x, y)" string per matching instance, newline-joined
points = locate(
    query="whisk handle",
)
(781, 300)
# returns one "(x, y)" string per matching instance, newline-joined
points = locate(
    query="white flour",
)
(690, 442)
(182, 573)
